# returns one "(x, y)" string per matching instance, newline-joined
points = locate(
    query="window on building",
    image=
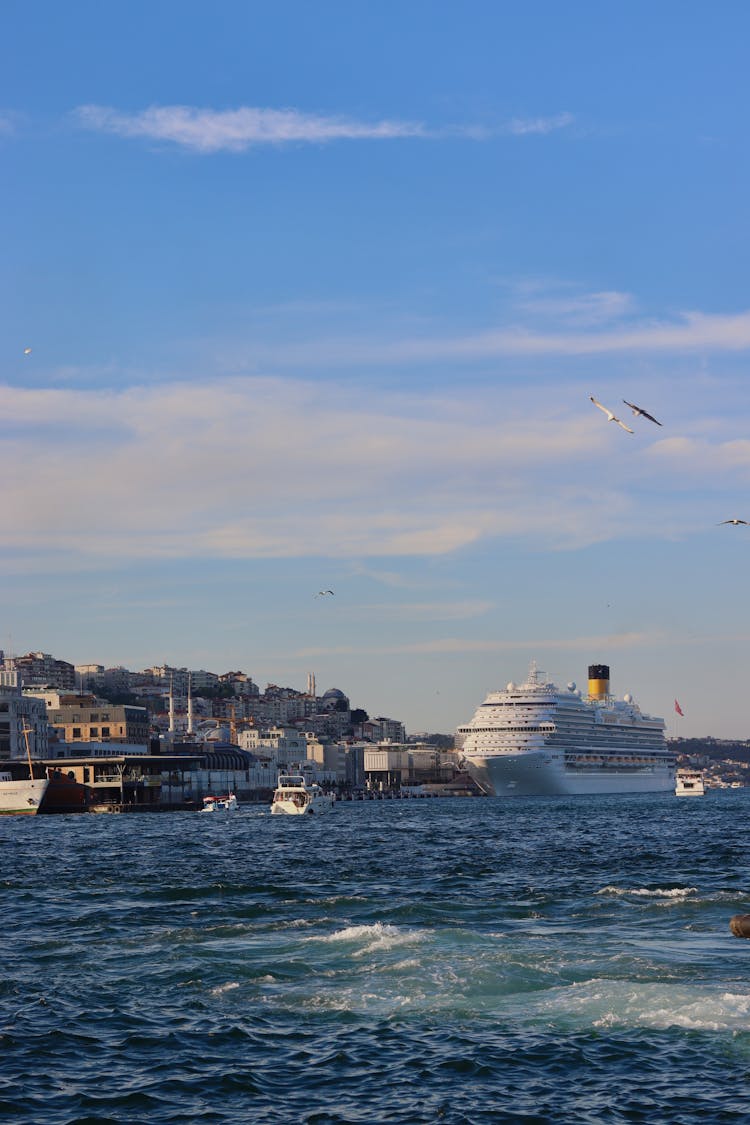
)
(105, 732)
(94, 732)
(76, 732)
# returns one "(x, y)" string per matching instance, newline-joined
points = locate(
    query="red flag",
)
(678, 709)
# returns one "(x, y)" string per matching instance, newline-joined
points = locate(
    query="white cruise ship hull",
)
(534, 774)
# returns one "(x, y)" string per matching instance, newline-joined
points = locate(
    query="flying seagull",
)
(637, 410)
(610, 415)
(322, 593)
(27, 351)
(731, 521)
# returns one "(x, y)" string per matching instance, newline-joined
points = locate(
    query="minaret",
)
(190, 705)
(311, 684)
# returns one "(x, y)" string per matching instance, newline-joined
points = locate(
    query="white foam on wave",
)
(334, 900)
(603, 1003)
(222, 988)
(377, 937)
(406, 965)
(675, 894)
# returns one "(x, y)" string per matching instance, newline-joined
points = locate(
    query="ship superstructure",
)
(534, 738)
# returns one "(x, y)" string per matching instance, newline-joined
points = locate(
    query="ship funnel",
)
(598, 681)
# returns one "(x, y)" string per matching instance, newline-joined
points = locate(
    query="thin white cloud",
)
(579, 308)
(524, 126)
(694, 457)
(686, 332)
(690, 331)
(234, 130)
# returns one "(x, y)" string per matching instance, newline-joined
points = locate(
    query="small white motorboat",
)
(295, 797)
(220, 804)
(689, 783)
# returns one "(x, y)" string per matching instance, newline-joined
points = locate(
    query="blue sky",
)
(316, 297)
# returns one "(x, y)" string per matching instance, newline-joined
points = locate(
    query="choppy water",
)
(534, 960)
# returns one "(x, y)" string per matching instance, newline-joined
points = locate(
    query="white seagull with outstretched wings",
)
(610, 416)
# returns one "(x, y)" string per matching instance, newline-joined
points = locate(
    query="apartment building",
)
(39, 668)
(22, 717)
(99, 721)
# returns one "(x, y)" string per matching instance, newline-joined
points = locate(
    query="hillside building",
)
(21, 716)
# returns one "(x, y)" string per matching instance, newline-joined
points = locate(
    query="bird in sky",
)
(27, 351)
(610, 416)
(638, 410)
(735, 522)
(322, 593)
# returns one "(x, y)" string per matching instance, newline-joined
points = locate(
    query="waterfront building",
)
(59, 749)
(98, 721)
(285, 745)
(385, 767)
(355, 763)
(329, 757)
(390, 765)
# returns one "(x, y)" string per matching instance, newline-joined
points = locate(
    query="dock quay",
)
(123, 782)
(116, 781)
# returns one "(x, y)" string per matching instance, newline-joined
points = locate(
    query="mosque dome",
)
(335, 698)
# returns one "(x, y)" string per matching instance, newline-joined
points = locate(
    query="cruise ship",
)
(536, 739)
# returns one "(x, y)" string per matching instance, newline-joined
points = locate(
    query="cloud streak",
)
(235, 130)
(526, 126)
(584, 327)
(690, 331)
(206, 130)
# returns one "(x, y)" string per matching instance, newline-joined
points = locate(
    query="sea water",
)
(454, 960)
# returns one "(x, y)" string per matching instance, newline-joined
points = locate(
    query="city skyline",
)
(300, 300)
